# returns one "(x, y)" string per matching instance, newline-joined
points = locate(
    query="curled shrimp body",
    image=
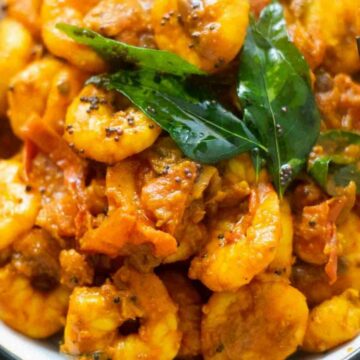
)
(45, 87)
(261, 318)
(208, 34)
(19, 205)
(97, 316)
(58, 43)
(35, 313)
(238, 251)
(333, 322)
(16, 46)
(92, 119)
(325, 31)
(313, 281)
(125, 20)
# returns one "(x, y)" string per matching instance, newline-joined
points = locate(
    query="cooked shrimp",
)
(97, 314)
(174, 202)
(58, 43)
(35, 313)
(239, 251)
(19, 204)
(332, 27)
(126, 225)
(92, 119)
(333, 322)
(16, 46)
(58, 205)
(313, 281)
(126, 20)
(174, 198)
(38, 133)
(45, 87)
(27, 12)
(257, 320)
(208, 34)
(188, 299)
(338, 99)
(94, 316)
(281, 265)
(316, 239)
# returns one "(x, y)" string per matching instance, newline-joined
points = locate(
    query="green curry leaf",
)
(203, 129)
(116, 52)
(276, 96)
(336, 166)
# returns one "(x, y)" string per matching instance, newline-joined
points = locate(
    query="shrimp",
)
(19, 204)
(175, 197)
(174, 201)
(126, 224)
(59, 207)
(16, 47)
(97, 319)
(33, 312)
(332, 27)
(188, 299)
(126, 20)
(27, 12)
(58, 43)
(338, 99)
(208, 34)
(316, 239)
(92, 119)
(237, 251)
(160, 203)
(261, 318)
(45, 87)
(333, 322)
(313, 281)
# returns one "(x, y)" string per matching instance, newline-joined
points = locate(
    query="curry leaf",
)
(337, 164)
(116, 52)
(275, 93)
(203, 129)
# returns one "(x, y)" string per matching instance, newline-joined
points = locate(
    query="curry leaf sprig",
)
(201, 126)
(336, 160)
(275, 93)
(280, 123)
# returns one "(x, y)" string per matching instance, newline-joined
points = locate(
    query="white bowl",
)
(19, 347)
